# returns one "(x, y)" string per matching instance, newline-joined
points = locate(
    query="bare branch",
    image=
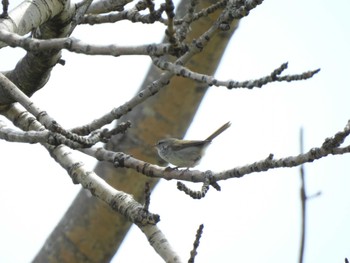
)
(48, 137)
(79, 14)
(230, 84)
(147, 196)
(202, 13)
(105, 6)
(209, 180)
(17, 95)
(184, 27)
(160, 243)
(123, 160)
(33, 71)
(194, 194)
(132, 15)
(78, 46)
(117, 200)
(303, 202)
(69, 138)
(24, 17)
(196, 244)
(153, 88)
(170, 31)
(5, 8)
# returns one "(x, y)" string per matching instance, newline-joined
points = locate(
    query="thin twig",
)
(5, 7)
(303, 202)
(147, 196)
(196, 244)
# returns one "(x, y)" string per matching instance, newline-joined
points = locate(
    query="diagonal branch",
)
(230, 84)
(119, 201)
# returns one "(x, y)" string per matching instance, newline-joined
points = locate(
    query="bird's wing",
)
(188, 143)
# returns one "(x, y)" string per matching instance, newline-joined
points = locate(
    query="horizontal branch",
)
(104, 6)
(119, 159)
(132, 15)
(11, 135)
(78, 46)
(71, 140)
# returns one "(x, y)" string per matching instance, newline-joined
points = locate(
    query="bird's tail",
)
(219, 131)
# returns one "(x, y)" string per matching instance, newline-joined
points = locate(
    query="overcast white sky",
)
(253, 219)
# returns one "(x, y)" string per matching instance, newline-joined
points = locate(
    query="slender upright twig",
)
(303, 202)
(196, 244)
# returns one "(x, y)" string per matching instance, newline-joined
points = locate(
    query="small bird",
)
(185, 153)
